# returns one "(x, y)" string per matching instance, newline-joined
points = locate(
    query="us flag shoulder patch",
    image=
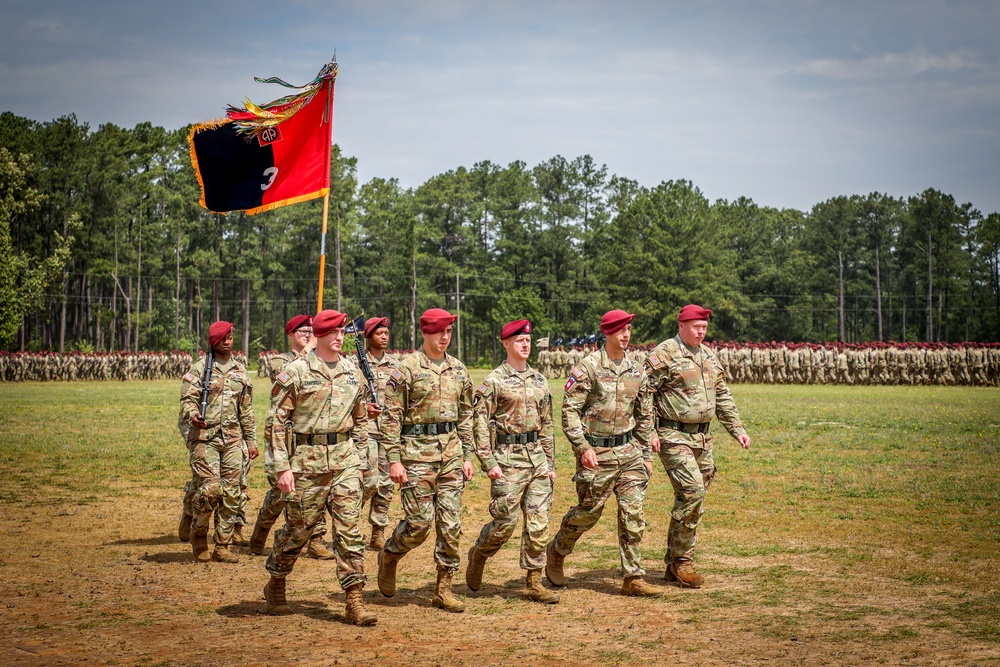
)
(189, 378)
(282, 378)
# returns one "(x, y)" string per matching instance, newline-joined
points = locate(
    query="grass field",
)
(862, 527)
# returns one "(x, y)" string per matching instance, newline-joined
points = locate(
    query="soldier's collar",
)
(427, 362)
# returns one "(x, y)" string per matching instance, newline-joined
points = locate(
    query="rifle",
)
(206, 381)
(357, 327)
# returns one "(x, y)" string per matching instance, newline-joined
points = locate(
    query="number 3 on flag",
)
(271, 173)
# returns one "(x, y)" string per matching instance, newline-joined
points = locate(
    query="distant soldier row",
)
(861, 363)
(52, 366)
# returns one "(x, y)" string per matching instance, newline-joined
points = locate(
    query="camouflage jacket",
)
(509, 401)
(230, 404)
(603, 399)
(278, 362)
(420, 391)
(310, 398)
(381, 368)
(688, 386)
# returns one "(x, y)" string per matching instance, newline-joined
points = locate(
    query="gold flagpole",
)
(327, 117)
(322, 251)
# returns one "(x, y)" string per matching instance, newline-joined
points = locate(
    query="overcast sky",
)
(788, 103)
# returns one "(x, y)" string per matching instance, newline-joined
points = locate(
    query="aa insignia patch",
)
(569, 383)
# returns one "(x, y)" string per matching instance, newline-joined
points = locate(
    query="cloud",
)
(890, 66)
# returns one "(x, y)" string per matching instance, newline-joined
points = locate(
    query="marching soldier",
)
(317, 448)
(429, 444)
(216, 442)
(607, 417)
(688, 390)
(515, 445)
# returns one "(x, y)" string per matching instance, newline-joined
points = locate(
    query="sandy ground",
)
(108, 583)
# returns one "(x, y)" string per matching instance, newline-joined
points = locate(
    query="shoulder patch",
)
(395, 375)
(282, 378)
(189, 378)
(575, 374)
(482, 389)
(569, 383)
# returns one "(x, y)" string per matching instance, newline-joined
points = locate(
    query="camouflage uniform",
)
(216, 452)
(421, 393)
(688, 389)
(377, 485)
(606, 407)
(317, 429)
(510, 403)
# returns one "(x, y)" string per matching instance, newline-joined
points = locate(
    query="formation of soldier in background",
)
(52, 366)
(429, 427)
(825, 363)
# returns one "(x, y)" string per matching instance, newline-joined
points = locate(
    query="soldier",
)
(428, 433)
(299, 330)
(516, 447)
(317, 448)
(216, 441)
(378, 485)
(688, 389)
(606, 416)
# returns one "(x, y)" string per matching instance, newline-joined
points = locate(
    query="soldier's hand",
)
(744, 440)
(656, 443)
(552, 476)
(286, 481)
(649, 467)
(397, 473)
(373, 411)
(198, 421)
(252, 452)
(589, 459)
(469, 471)
(495, 473)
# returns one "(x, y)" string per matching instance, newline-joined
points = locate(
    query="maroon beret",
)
(693, 311)
(374, 323)
(326, 321)
(515, 328)
(297, 323)
(218, 331)
(614, 320)
(435, 320)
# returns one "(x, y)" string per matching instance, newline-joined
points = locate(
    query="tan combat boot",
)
(682, 571)
(536, 591)
(355, 611)
(258, 539)
(378, 538)
(222, 554)
(318, 550)
(636, 587)
(474, 569)
(554, 565)
(238, 539)
(274, 597)
(184, 528)
(387, 572)
(443, 597)
(199, 546)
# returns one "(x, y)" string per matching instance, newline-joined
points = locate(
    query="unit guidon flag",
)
(267, 156)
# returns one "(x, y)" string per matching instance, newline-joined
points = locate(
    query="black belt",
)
(517, 438)
(320, 438)
(429, 429)
(613, 441)
(683, 427)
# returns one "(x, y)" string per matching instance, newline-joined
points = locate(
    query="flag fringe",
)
(287, 202)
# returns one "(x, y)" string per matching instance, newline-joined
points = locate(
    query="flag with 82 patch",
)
(267, 156)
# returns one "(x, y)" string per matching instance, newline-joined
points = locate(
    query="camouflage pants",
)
(690, 471)
(628, 481)
(216, 469)
(274, 505)
(378, 485)
(432, 494)
(525, 491)
(241, 512)
(340, 493)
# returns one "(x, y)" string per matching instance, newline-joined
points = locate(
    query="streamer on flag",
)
(270, 155)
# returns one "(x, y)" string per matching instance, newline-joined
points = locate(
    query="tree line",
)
(103, 247)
